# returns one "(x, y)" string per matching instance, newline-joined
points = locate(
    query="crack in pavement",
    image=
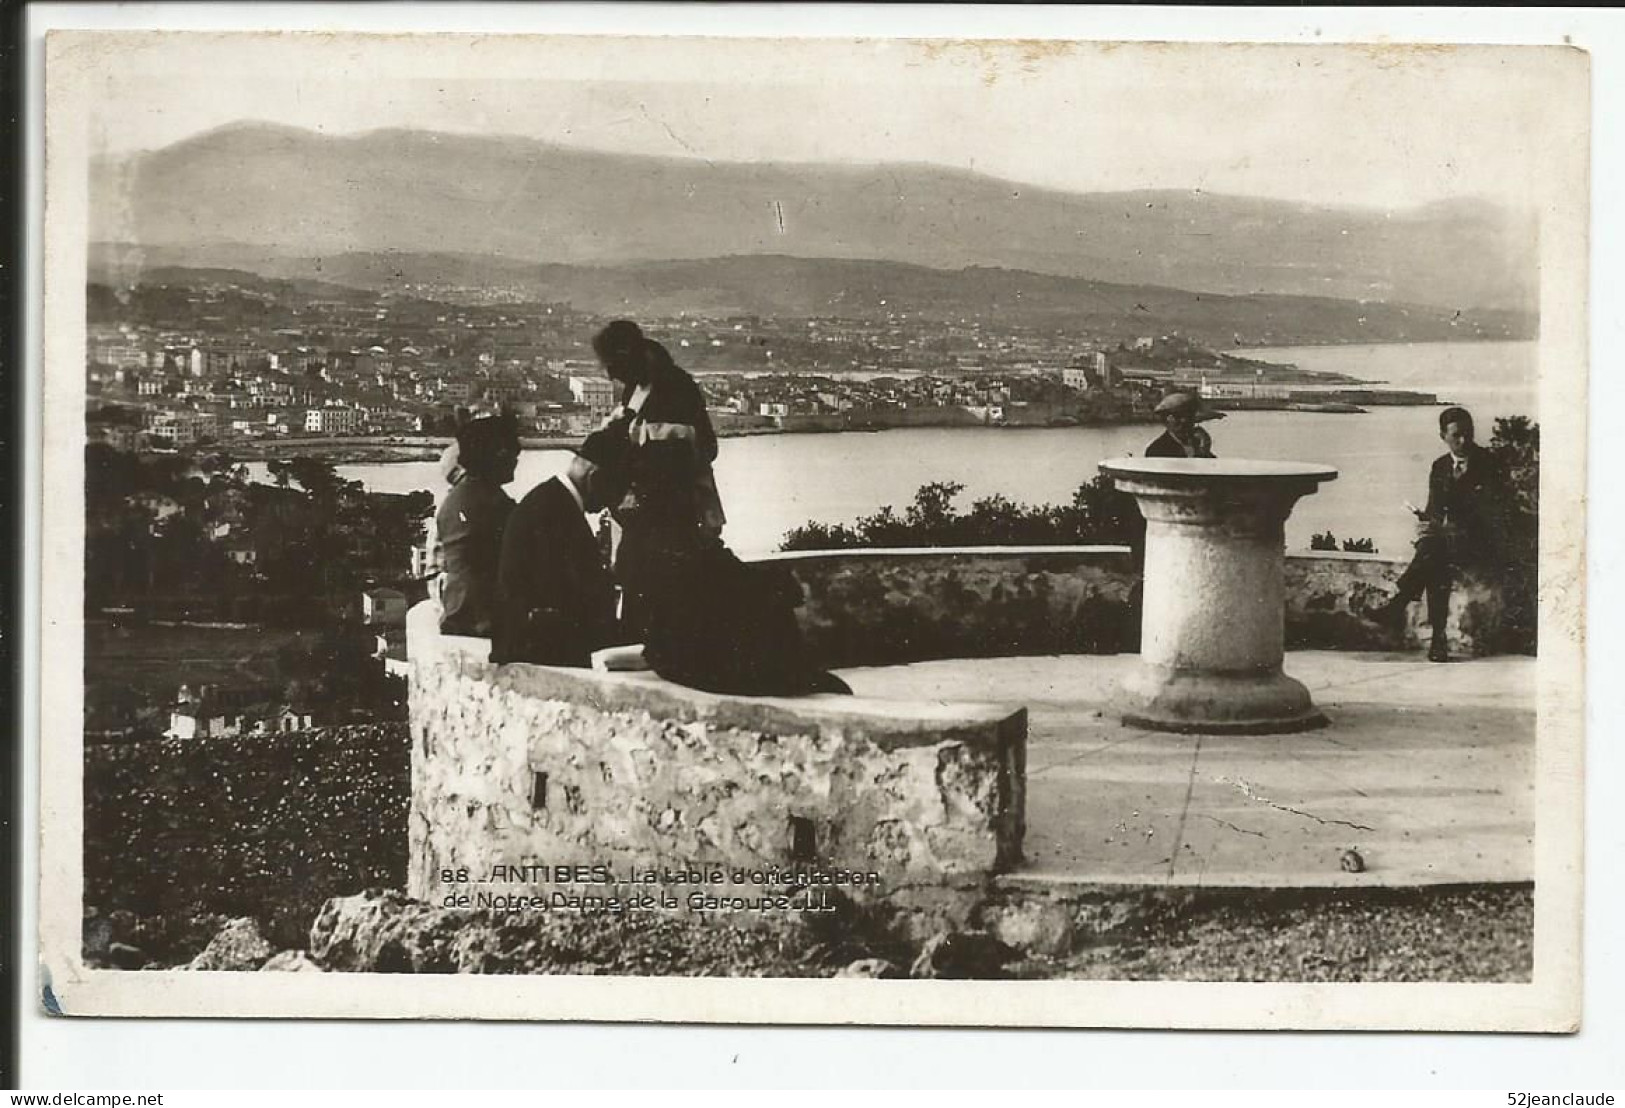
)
(1184, 812)
(1319, 819)
(1231, 826)
(1090, 753)
(1246, 789)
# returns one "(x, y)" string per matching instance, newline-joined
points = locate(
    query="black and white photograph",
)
(814, 530)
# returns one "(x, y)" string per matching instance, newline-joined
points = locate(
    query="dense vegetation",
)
(267, 826)
(1328, 541)
(191, 536)
(1098, 513)
(177, 545)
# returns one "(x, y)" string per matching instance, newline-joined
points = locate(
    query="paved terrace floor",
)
(1427, 771)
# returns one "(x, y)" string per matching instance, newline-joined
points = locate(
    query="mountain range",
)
(281, 196)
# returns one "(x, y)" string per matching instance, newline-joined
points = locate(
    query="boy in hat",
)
(557, 597)
(1181, 412)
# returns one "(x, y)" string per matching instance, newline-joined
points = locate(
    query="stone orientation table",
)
(1212, 627)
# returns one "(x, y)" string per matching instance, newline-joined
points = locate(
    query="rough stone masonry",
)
(543, 788)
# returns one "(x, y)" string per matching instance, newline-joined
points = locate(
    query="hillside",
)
(789, 288)
(295, 194)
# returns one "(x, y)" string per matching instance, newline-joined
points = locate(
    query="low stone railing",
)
(521, 765)
(885, 607)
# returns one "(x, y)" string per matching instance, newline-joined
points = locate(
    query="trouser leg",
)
(1438, 597)
(1428, 565)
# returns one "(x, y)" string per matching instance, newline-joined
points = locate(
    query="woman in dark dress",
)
(672, 513)
(707, 619)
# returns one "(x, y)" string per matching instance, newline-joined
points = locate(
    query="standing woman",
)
(672, 514)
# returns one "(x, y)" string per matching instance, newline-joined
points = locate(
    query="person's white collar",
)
(639, 396)
(575, 493)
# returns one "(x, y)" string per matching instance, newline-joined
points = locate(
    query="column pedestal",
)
(1212, 628)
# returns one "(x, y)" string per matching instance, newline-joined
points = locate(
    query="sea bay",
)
(772, 483)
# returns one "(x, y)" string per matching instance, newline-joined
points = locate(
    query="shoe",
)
(1438, 652)
(1391, 615)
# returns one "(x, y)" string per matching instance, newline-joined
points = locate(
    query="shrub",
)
(1098, 513)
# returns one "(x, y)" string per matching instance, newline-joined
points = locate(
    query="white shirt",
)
(575, 493)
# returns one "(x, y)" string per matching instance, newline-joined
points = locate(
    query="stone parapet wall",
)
(520, 765)
(1326, 591)
(885, 607)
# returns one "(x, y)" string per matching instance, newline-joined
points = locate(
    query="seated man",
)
(470, 521)
(556, 597)
(1462, 527)
(1181, 412)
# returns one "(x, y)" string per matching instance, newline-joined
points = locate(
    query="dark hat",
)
(481, 440)
(484, 431)
(609, 448)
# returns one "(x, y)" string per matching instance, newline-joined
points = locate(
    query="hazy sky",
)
(1335, 125)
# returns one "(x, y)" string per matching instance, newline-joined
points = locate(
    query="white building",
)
(1081, 378)
(184, 428)
(1227, 390)
(332, 421)
(596, 394)
(211, 713)
(383, 606)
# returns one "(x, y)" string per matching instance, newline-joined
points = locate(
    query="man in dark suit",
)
(1462, 528)
(557, 598)
(470, 521)
(1181, 412)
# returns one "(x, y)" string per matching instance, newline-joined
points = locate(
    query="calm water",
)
(773, 483)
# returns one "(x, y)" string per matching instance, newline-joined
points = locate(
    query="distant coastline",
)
(383, 449)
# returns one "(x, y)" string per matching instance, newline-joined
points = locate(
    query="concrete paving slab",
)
(1426, 773)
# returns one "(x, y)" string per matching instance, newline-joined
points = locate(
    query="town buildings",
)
(212, 712)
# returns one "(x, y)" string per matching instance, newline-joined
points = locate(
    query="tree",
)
(1328, 541)
(1515, 445)
(1098, 513)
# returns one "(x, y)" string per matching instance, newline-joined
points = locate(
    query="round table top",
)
(1216, 469)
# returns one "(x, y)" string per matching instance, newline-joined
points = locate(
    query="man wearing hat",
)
(470, 520)
(557, 598)
(1181, 412)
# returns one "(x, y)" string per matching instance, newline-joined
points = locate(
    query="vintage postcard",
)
(877, 531)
